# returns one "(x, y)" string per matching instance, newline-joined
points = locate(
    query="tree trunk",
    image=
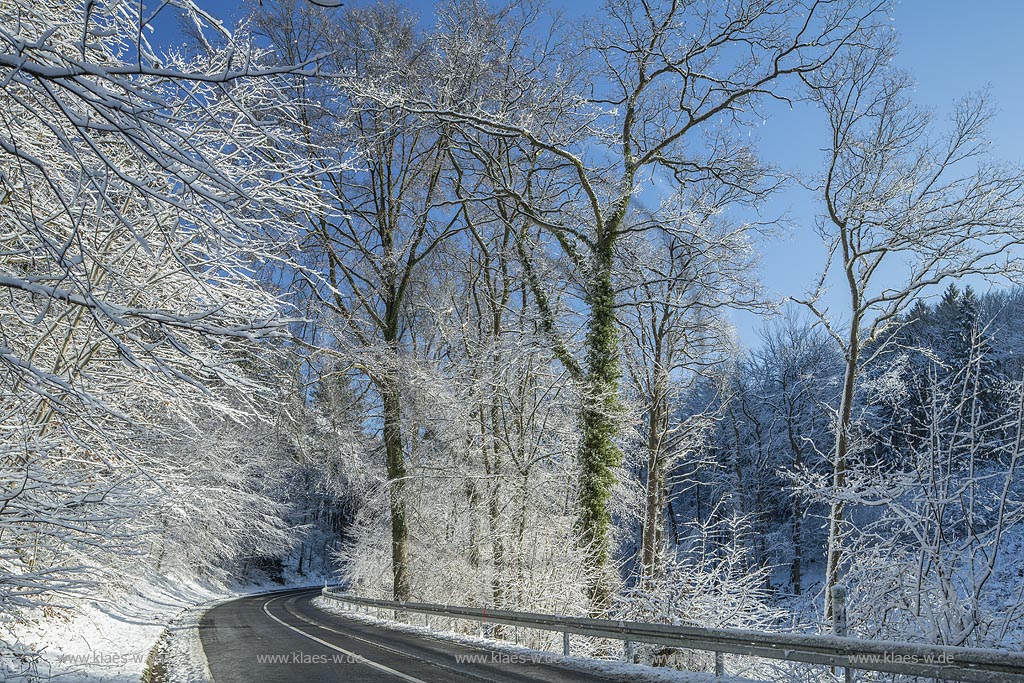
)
(396, 482)
(654, 491)
(599, 454)
(473, 501)
(796, 570)
(838, 509)
(497, 538)
(493, 468)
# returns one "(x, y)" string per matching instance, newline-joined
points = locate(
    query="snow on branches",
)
(140, 196)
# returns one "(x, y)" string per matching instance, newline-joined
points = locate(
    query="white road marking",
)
(353, 655)
(379, 646)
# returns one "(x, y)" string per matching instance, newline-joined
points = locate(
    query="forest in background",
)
(439, 308)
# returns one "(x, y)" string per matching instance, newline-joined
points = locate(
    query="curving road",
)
(282, 638)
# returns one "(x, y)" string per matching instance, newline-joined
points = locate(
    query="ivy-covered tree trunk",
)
(599, 453)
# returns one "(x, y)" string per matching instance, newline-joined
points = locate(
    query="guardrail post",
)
(839, 625)
(719, 664)
(630, 651)
(565, 643)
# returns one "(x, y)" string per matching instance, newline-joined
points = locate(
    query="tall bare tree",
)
(898, 197)
(676, 279)
(383, 172)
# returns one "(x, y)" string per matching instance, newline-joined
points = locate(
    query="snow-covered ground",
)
(109, 640)
(636, 672)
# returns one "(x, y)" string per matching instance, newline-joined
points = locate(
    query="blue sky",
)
(951, 47)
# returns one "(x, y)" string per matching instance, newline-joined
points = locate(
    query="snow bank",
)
(109, 640)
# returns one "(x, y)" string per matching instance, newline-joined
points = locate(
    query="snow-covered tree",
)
(936, 564)
(140, 198)
(935, 206)
(676, 279)
(606, 117)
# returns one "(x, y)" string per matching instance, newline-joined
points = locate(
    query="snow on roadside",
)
(636, 672)
(179, 653)
(109, 639)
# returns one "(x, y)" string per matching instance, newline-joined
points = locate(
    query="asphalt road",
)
(282, 638)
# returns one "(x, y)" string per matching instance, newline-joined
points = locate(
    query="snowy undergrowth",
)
(636, 672)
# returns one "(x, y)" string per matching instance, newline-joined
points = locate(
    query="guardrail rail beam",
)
(969, 665)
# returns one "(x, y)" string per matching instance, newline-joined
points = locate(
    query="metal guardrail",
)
(973, 665)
